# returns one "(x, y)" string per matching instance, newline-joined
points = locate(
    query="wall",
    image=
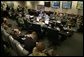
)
(70, 11)
(73, 10)
(33, 5)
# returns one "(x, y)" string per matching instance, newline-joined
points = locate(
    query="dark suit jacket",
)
(18, 38)
(29, 44)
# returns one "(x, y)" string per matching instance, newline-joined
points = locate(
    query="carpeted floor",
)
(72, 46)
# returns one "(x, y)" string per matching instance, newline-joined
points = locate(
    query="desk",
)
(46, 30)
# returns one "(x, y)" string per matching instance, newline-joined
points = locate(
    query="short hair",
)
(40, 46)
(33, 32)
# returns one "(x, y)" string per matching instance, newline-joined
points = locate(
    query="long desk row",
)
(51, 33)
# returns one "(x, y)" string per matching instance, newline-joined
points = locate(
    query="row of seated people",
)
(52, 34)
(22, 9)
(16, 34)
(34, 27)
(12, 43)
(68, 21)
(4, 23)
(41, 34)
(37, 50)
(27, 41)
(71, 21)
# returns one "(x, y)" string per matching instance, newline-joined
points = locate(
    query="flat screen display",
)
(55, 4)
(66, 4)
(47, 4)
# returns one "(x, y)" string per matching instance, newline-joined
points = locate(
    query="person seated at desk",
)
(30, 41)
(20, 20)
(46, 18)
(78, 22)
(59, 17)
(38, 18)
(27, 16)
(52, 16)
(5, 24)
(33, 35)
(38, 50)
(26, 10)
(41, 22)
(19, 8)
(17, 35)
(41, 14)
(69, 26)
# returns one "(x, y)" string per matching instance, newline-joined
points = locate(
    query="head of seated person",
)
(32, 35)
(16, 32)
(40, 46)
(5, 23)
(38, 50)
(20, 15)
(4, 20)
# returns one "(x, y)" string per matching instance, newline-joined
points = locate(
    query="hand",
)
(36, 43)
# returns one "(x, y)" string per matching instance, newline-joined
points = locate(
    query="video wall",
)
(65, 4)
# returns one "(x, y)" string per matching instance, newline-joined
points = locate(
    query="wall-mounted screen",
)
(47, 4)
(79, 5)
(55, 4)
(66, 4)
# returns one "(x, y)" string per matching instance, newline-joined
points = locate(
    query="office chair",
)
(37, 28)
(53, 36)
(5, 35)
(17, 47)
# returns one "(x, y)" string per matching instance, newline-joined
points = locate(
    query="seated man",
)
(47, 18)
(33, 35)
(17, 35)
(41, 22)
(30, 41)
(38, 50)
(20, 20)
(5, 24)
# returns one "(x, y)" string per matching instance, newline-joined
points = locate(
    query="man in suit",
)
(30, 41)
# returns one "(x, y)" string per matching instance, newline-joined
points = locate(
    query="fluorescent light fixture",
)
(41, 2)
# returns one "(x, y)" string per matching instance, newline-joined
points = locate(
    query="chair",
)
(37, 28)
(63, 35)
(53, 36)
(44, 31)
(14, 44)
(18, 48)
(5, 35)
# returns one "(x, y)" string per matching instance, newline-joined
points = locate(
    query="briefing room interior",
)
(41, 28)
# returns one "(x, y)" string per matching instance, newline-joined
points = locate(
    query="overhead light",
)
(41, 2)
(28, 3)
